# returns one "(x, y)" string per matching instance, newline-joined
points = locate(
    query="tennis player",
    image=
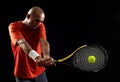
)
(30, 47)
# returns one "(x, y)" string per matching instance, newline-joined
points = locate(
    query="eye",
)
(37, 20)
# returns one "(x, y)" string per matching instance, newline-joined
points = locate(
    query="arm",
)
(24, 45)
(46, 52)
(28, 50)
(34, 55)
(45, 47)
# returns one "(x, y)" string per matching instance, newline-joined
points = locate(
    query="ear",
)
(28, 16)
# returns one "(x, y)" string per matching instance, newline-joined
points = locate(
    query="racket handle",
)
(56, 61)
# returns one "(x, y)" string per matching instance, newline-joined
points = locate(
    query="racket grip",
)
(55, 61)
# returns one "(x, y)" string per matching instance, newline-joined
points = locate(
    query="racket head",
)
(80, 58)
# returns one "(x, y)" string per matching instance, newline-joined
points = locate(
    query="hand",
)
(49, 61)
(46, 61)
(40, 61)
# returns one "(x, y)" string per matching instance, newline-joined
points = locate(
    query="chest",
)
(31, 36)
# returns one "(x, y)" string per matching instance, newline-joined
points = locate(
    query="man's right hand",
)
(45, 62)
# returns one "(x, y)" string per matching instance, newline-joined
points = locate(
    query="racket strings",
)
(80, 59)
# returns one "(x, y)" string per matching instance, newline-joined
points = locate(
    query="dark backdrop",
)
(69, 24)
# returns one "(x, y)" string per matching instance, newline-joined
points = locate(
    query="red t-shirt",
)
(24, 66)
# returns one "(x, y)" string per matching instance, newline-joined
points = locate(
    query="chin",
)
(35, 27)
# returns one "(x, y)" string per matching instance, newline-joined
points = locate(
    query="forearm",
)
(45, 48)
(24, 45)
(28, 49)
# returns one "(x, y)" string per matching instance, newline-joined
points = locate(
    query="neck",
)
(24, 21)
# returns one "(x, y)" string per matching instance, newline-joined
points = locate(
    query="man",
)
(30, 47)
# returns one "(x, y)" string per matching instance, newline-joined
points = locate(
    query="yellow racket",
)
(90, 58)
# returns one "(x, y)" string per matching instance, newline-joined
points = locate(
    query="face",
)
(35, 20)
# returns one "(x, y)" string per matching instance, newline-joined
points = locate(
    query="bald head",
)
(35, 9)
(34, 17)
(36, 12)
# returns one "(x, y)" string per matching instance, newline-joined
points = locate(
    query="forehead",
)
(38, 15)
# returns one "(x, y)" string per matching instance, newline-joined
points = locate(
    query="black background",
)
(69, 24)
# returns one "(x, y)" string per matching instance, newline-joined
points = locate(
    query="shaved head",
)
(35, 9)
(34, 17)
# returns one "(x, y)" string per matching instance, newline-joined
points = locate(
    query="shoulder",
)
(42, 24)
(15, 24)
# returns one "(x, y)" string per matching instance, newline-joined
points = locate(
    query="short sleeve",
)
(14, 33)
(42, 31)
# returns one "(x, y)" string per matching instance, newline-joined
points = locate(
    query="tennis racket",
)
(89, 58)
